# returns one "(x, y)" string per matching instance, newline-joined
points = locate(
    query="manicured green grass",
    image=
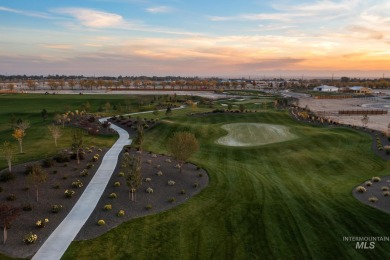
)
(289, 200)
(38, 143)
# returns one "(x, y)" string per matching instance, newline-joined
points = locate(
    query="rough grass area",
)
(289, 200)
(254, 134)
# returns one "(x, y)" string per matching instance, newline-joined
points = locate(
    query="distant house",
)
(361, 90)
(326, 88)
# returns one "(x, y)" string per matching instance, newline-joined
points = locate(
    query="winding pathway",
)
(57, 243)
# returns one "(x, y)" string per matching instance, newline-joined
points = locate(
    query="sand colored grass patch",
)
(254, 134)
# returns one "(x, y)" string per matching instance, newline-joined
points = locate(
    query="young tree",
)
(139, 139)
(55, 132)
(131, 166)
(8, 152)
(77, 144)
(19, 134)
(182, 145)
(107, 106)
(365, 120)
(22, 124)
(44, 114)
(168, 112)
(37, 176)
(7, 214)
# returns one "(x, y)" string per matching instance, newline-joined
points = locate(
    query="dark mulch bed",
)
(61, 174)
(375, 190)
(130, 123)
(222, 111)
(187, 184)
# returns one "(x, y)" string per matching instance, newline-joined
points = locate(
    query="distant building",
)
(361, 90)
(326, 88)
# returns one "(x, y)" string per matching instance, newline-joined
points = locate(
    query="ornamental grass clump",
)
(77, 184)
(107, 207)
(171, 183)
(56, 208)
(149, 190)
(69, 193)
(159, 173)
(41, 223)
(121, 213)
(361, 189)
(101, 222)
(121, 174)
(148, 179)
(113, 195)
(385, 188)
(373, 199)
(30, 238)
(117, 184)
(368, 183)
(386, 193)
(376, 179)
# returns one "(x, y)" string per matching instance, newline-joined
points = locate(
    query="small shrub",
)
(113, 195)
(158, 166)
(171, 199)
(77, 184)
(107, 207)
(65, 177)
(148, 207)
(196, 185)
(99, 150)
(41, 223)
(57, 186)
(11, 197)
(386, 193)
(373, 199)
(95, 158)
(178, 166)
(47, 163)
(27, 207)
(200, 175)
(117, 184)
(183, 191)
(159, 173)
(56, 208)
(61, 158)
(361, 189)
(149, 161)
(376, 179)
(55, 172)
(101, 222)
(368, 183)
(25, 188)
(154, 155)
(121, 213)
(198, 168)
(121, 174)
(171, 183)
(149, 190)
(7, 176)
(30, 238)
(385, 188)
(65, 165)
(84, 173)
(69, 193)
(89, 165)
(168, 160)
(148, 179)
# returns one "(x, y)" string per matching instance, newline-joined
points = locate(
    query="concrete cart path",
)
(57, 243)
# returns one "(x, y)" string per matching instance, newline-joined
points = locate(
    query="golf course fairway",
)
(254, 134)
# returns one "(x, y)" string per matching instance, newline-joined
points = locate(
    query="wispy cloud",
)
(160, 9)
(94, 18)
(57, 46)
(292, 13)
(27, 13)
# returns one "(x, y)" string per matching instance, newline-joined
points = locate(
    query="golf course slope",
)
(254, 134)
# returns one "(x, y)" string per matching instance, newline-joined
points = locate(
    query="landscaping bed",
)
(168, 188)
(19, 192)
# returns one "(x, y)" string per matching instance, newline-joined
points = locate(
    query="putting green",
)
(254, 134)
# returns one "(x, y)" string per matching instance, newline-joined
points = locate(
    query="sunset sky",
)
(195, 38)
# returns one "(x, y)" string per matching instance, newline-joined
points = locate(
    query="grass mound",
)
(254, 134)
